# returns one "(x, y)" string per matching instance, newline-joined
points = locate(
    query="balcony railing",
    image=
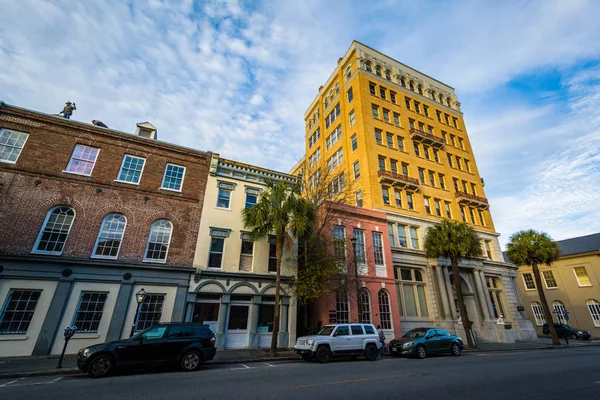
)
(426, 138)
(397, 180)
(472, 199)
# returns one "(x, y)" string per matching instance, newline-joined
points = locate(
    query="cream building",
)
(233, 290)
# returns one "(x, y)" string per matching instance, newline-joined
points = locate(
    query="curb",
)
(541, 347)
(76, 371)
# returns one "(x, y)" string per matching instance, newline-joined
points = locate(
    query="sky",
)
(235, 77)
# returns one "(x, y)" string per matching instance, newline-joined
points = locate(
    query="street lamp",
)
(139, 297)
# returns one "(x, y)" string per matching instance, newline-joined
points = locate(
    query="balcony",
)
(397, 180)
(472, 200)
(426, 138)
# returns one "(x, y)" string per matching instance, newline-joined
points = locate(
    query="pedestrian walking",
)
(382, 340)
(68, 110)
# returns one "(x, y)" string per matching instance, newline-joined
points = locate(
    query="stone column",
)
(50, 328)
(283, 331)
(253, 335)
(222, 323)
(482, 295)
(488, 301)
(117, 320)
(443, 294)
(452, 304)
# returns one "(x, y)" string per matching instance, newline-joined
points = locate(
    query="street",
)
(536, 374)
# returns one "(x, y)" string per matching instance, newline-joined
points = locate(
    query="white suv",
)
(352, 340)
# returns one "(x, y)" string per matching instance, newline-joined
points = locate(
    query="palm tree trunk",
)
(547, 313)
(461, 303)
(278, 254)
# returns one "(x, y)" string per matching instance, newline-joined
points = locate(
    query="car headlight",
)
(310, 342)
(86, 353)
(580, 332)
(407, 344)
(459, 338)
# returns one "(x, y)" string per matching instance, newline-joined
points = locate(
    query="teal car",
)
(421, 342)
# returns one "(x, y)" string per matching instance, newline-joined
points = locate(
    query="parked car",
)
(422, 342)
(564, 331)
(350, 340)
(183, 344)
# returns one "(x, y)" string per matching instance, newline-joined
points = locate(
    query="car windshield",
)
(414, 334)
(326, 330)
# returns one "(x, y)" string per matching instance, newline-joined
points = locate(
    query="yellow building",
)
(399, 137)
(571, 284)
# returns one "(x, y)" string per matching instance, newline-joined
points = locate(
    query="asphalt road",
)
(536, 374)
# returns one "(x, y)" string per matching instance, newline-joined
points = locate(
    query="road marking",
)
(270, 365)
(57, 379)
(597, 382)
(8, 383)
(237, 369)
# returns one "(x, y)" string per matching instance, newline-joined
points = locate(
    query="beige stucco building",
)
(571, 284)
(233, 290)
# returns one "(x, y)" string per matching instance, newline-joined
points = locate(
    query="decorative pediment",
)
(219, 232)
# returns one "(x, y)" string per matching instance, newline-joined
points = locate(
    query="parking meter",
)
(69, 332)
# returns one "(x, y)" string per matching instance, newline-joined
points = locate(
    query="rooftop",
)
(577, 245)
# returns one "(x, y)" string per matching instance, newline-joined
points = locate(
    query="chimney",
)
(146, 129)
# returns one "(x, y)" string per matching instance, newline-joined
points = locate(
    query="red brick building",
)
(88, 217)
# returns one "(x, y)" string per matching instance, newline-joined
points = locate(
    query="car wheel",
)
(100, 366)
(421, 352)
(575, 336)
(190, 361)
(455, 349)
(323, 354)
(306, 357)
(371, 352)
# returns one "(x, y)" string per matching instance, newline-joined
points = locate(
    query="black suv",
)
(160, 345)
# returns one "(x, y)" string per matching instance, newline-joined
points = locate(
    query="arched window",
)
(388, 75)
(433, 95)
(364, 307)
(402, 82)
(559, 310)
(342, 313)
(411, 86)
(495, 293)
(158, 241)
(54, 234)
(420, 89)
(348, 72)
(110, 236)
(441, 98)
(368, 67)
(378, 70)
(538, 313)
(594, 308)
(448, 101)
(384, 310)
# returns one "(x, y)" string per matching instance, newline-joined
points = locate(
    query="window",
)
(438, 207)
(131, 169)
(89, 312)
(462, 214)
(560, 311)
(378, 250)
(54, 234)
(336, 185)
(384, 310)
(411, 86)
(473, 189)
(382, 92)
(405, 169)
(402, 236)
(150, 312)
(472, 214)
(159, 241)
(375, 111)
(394, 166)
(391, 235)
(314, 138)
(461, 143)
(352, 119)
(223, 198)
(407, 102)
(393, 97)
(358, 197)
(487, 244)
(427, 205)
(356, 168)
(173, 178)
(465, 187)
(312, 160)
(348, 72)
(436, 156)
(390, 140)
(342, 308)
(412, 292)
(11, 145)
(368, 67)
(354, 142)
(417, 107)
(448, 209)
(454, 120)
(439, 115)
(18, 311)
(455, 182)
(458, 163)
(445, 137)
(350, 95)
(528, 280)
(538, 313)
(400, 141)
(431, 178)
(481, 217)
(403, 82)
(409, 201)
(372, 88)
(339, 243)
(251, 200)
(110, 237)
(453, 140)
(450, 162)
(333, 137)
(398, 197)
(421, 127)
(549, 279)
(426, 110)
(414, 239)
(416, 147)
(441, 181)
(388, 75)
(361, 258)
(422, 175)
(386, 195)
(272, 254)
(426, 152)
(332, 116)
(582, 277)
(386, 115)
(396, 119)
(411, 123)
(82, 160)
(364, 307)
(215, 257)
(246, 255)
(381, 163)
(420, 89)
(378, 70)
(336, 159)
(593, 308)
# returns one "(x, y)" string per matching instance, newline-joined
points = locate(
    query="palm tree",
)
(280, 210)
(455, 241)
(530, 247)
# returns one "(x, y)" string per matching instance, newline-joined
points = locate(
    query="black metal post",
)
(69, 332)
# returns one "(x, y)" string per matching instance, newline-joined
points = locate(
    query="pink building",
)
(360, 237)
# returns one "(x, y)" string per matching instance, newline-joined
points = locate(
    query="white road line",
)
(57, 379)
(597, 382)
(270, 365)
(237, 369)
(8, 383)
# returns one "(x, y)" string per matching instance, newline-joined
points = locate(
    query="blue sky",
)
(235, 77)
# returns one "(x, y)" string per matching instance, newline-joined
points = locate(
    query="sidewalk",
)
(541, 343)
(18, 367)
